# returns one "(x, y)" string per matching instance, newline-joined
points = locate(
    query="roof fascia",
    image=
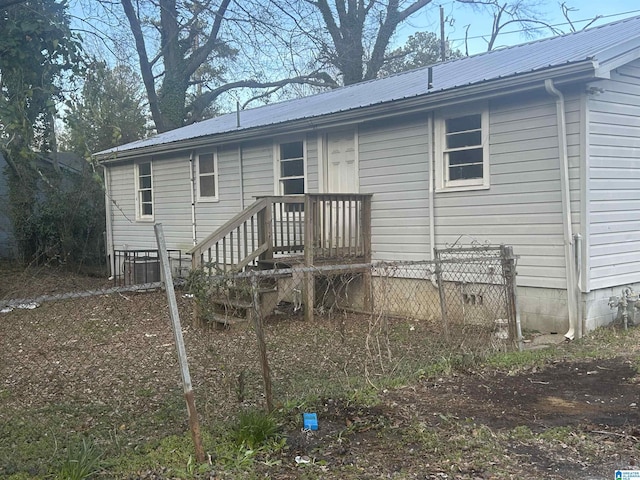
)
(616, 56)
(570, 73)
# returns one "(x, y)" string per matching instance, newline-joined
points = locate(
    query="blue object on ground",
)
(310, 421)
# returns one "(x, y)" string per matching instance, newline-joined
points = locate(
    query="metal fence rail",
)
(467, 294)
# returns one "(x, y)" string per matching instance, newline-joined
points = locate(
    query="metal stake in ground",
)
(177, 333)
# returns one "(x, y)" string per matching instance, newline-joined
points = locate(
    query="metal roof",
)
(600, 44)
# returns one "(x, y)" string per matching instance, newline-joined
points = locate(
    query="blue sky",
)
(480, 25)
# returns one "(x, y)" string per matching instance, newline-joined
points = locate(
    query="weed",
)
(254, 428)
(522, 432)
(83, 461)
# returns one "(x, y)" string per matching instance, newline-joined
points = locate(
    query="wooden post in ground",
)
(366, 251)
(309, 247)
(194, 425)
(262, 344)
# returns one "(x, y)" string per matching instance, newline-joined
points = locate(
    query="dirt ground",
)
(107, 363)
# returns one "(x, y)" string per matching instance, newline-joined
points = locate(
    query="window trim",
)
(278, 190)
(441, 163)
(140, 217)
(216, 174)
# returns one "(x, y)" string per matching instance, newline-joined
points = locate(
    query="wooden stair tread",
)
(233, 303)
(227, 319)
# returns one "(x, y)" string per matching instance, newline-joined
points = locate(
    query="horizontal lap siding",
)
(393, 167)
(257, 164)
(614, 149)
(210, 215)
(127, 232)
(523, 206)
(172, 199)
(312, 164)
(171, 204)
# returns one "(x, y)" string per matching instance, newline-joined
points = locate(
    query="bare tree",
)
(351, 36)
(184, 50)
(566, 12)
(523, 14)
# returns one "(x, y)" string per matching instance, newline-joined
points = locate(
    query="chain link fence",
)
(466, 295)
(372, 326)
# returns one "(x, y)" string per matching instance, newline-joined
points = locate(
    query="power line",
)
(562, 24)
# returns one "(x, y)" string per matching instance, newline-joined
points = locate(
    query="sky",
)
(459, 16)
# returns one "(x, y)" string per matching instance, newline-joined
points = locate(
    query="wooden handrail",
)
(326, 225)
(230, 225)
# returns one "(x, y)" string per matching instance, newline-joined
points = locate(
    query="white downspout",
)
(109, 219)
(193, 197)
(430, 155)
(569, 257)
(241, 160)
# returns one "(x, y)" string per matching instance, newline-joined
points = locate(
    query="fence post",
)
(262, 345)
(509, 272)
(366, 250)
(441, 293)
(309, 253)
(177, 333)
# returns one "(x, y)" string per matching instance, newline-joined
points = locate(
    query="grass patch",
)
(83, 461)
(254, 428)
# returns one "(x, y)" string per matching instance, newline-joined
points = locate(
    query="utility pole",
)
(443, 47)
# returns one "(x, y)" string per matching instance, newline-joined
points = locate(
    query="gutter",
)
(573, 72)
(569, 245)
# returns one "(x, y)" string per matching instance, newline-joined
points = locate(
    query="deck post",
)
(309, 245)
(366, 251)
(265, 230)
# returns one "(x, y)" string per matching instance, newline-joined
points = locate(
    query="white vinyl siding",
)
(393, 167)
(614, 179)
(523, 206)
(210, 215)
(172, 205)
(257, 161)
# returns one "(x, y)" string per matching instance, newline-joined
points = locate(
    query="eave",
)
(578, 72)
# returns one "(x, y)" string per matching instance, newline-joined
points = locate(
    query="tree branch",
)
(198, 106)
(145, 66)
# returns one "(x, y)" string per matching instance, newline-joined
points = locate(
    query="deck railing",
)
(322, 226)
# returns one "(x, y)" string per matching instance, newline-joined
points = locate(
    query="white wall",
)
(614, 176)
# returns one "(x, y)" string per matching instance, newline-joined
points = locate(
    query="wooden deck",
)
(309, 230)
(320, 227)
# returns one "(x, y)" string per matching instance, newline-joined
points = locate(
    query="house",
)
(7, 244)
(535, 146)
(70, 164)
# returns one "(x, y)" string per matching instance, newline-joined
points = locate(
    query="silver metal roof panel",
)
(596, 44)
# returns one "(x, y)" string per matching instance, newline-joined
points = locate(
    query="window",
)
(207, 173)
(144, 191)
(463, 150)
(291, 168)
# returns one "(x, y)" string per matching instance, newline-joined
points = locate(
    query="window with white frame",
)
(207, 173)
(291, 168)
(144, 191)
(463, 151)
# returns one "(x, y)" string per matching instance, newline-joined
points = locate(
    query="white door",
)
(340, 216)
(342, 168)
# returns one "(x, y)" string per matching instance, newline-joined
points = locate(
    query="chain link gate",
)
(477, 288)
